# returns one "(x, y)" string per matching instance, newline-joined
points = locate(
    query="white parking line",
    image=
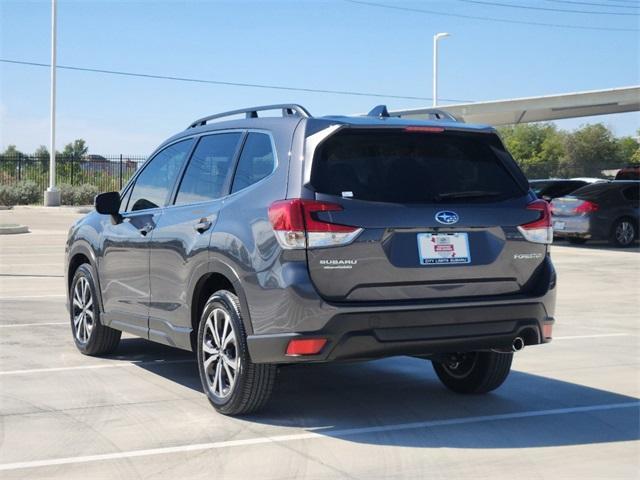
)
(327, 434)
(134, 363)
(600, 335)
(92, 367)
(19, 297)
(16, 325)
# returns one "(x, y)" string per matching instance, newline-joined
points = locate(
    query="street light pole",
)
(52, 195)
(436, 37)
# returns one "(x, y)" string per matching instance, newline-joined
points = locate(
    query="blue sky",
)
(335, 45)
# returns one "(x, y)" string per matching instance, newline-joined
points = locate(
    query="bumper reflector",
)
(547, 329)
(306, 346)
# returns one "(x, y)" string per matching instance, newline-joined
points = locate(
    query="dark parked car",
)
(558, 187)
(630, 172)
(266, 241)
(602, 211)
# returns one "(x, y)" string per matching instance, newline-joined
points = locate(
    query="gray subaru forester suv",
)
(262, 241)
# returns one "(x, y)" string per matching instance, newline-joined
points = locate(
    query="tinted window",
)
(156, 181)
(208, 169)
(538, 186)
(559, 189)
(411, 167)
(632, 193)
(256, 162)
(592, 190)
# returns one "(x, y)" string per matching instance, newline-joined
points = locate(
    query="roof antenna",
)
(379, 111)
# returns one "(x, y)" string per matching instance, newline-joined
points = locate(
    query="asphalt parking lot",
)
(569, 409)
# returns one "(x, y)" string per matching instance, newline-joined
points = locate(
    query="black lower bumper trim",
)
(366, 335)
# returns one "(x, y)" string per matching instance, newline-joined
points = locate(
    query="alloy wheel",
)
(624, 233)
(83, 310)
(220, 353)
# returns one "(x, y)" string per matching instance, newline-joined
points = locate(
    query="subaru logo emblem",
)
(447, 218)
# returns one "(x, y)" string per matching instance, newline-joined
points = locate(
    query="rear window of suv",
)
(414, 167)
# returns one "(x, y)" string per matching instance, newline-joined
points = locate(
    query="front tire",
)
(89, 335)
(234, 385)
(474, 372)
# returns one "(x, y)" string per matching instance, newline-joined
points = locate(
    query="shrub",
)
(77, 194)
(23, 193)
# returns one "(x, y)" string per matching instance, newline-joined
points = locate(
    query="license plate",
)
(558, 225)
(443, 248)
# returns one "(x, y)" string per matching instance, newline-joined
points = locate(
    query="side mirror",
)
(107, 203)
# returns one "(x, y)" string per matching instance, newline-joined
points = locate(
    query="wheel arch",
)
(81, 253)
(219, 276)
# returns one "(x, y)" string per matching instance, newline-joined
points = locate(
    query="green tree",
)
(75, 150)
(589, 150)
(628, 150)
(538, 148)
(12, 153)
(42, 154)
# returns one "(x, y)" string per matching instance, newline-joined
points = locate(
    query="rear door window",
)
(413, 167)
(208, 170)
(632, 193)
(256, 161)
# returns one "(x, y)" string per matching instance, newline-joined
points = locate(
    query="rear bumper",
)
(373, 333)
(572, 226)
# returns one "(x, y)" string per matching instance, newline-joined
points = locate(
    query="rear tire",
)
(234, 385)
(577, 240)
(89, 335)
(623, 233)
(474, 372)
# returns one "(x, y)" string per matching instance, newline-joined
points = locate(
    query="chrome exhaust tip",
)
(518, 344)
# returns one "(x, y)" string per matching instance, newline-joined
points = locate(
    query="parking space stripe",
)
(17, 325)
(91, 367)
(599, 335)
(326, 434)
(20, 297)
(134, 363)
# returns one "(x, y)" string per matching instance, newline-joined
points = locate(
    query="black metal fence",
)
(106, 173)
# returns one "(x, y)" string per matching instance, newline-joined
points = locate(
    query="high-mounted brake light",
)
(424, 129)
(540, 230)
(296, 224)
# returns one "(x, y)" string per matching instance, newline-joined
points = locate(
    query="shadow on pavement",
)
(335, 397)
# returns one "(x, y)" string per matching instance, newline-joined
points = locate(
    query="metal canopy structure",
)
(538, 109)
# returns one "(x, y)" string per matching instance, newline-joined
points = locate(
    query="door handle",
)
(203, 225)
(144, 230)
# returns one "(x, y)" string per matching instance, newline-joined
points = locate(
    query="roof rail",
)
(438, 114)
(288, 110)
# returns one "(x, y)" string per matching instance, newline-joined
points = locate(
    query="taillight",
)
(296, 225)
(540, 230)
(585, 207)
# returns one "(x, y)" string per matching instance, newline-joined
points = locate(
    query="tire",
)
(89, 335)
(623, 233)
(233, 384)
(475, 372)
(577, 240)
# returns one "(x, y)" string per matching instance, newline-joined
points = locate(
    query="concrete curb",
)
(12, 229)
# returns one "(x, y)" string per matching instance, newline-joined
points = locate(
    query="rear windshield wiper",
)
(468, 194)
